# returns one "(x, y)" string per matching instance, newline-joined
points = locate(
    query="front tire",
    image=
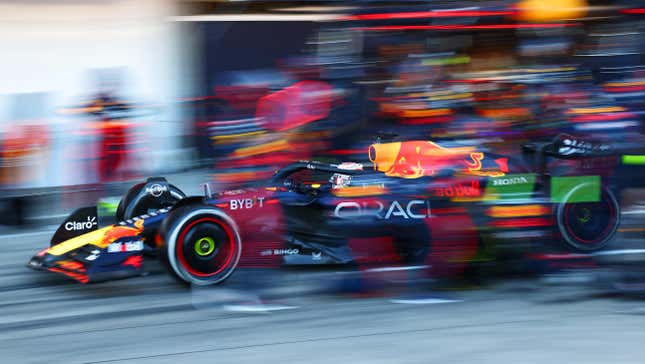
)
(201, 245)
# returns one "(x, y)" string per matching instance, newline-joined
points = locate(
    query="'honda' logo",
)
(509, 181)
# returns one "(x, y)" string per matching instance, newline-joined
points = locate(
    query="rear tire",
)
(588, 226)
(200, 244)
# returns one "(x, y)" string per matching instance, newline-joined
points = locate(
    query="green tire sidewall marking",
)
(210, 246)
(586, 217)
(446, 61)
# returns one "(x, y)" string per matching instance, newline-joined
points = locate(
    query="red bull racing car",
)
(413, 202)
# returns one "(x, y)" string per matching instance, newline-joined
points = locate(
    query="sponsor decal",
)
(81, 225)
(350, 166)
(232, 192)
(128, 246)
(510, 186)
(415, 159)
(280, 252)
(509, 181)
(413, 209)
(94, 254)
(475, 165)
(464, 189)
(156, 189)
(246, 203)
(572, 146)
(339, 180)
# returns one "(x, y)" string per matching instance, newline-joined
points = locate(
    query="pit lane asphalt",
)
(152, 319)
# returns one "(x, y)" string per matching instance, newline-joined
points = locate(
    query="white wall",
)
(50, 47)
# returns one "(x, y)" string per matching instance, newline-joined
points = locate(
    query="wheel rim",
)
(592, 222)
(206, 247)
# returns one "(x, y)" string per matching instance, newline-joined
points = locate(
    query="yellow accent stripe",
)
(425, 113)
(315, 135)
(549, 70)
(630, 230)
(509, 112)
(261, 149)
(595, 110)
(241, 135)
(93, 237)
(359, 191)
(451, 97)
(517, 211)
(235, 177)
(624, 84)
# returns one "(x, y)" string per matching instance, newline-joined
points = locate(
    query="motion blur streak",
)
(632, 11)
(517, 211)
(470, 27)
(428, 14)
(200, 181)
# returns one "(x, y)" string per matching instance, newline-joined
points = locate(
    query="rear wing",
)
(568, 147)
(565, 146)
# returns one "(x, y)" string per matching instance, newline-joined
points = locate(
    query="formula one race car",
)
(417, 203)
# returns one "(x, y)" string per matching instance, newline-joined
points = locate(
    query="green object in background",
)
(510, 186)
(445, 61)
(107, 206)
(634, 159)
(585, 189)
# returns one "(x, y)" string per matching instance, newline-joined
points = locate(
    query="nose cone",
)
(59, 264)
(36, 263)
(43, 260)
